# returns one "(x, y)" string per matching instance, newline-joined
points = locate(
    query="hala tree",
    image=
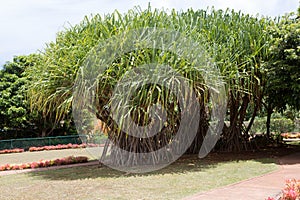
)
(237, 43)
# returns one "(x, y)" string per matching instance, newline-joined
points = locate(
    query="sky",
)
(26, 26)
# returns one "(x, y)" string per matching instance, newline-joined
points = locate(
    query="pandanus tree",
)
(234, 42)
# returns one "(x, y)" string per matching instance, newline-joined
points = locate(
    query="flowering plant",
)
(45, 163)
(292, 135)
(16, 150)
(62, 146)
(291, 190)
(51, 147)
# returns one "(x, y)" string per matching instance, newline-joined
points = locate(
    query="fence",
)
(25, 143)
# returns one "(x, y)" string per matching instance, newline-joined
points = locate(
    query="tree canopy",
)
(258, 59)
(236, 42)
(17, 119)
(14, 107)
(283, 69)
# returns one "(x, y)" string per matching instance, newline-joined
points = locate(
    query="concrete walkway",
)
(258, 188)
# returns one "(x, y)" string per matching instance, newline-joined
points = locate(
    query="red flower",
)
(8, 167)
(45, 163)
(57, 162)
(34, 165)
(270, 198)
(16, 150)
(290, 194)
(41, 163)
(291, 190)
(2, 167)
(15, 167)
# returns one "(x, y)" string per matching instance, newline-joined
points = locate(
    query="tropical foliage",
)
(16, 117)
(237, 43)
(258, 59)
(15, 113)
(283, 72)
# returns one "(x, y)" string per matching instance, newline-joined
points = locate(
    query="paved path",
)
(258, 188)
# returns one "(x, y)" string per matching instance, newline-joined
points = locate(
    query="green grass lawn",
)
(183, 178)
(295, 143)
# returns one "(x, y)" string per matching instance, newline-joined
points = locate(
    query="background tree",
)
(15, 116)
(283, 72)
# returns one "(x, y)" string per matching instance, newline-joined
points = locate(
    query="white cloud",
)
(27, 25)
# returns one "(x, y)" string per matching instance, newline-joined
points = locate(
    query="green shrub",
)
(277, 125)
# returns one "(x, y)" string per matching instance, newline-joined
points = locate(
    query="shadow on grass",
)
(186, 164)
(183, 165)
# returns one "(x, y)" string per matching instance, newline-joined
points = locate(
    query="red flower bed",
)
(61, 146)
(292, 135)
(17, 150)
(45, 163)
(52, 147)
(291, 190)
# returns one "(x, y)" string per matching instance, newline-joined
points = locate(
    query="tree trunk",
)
(256, 106)
(202, 131)
(44, 132)
(234, 137)
(268, 123)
